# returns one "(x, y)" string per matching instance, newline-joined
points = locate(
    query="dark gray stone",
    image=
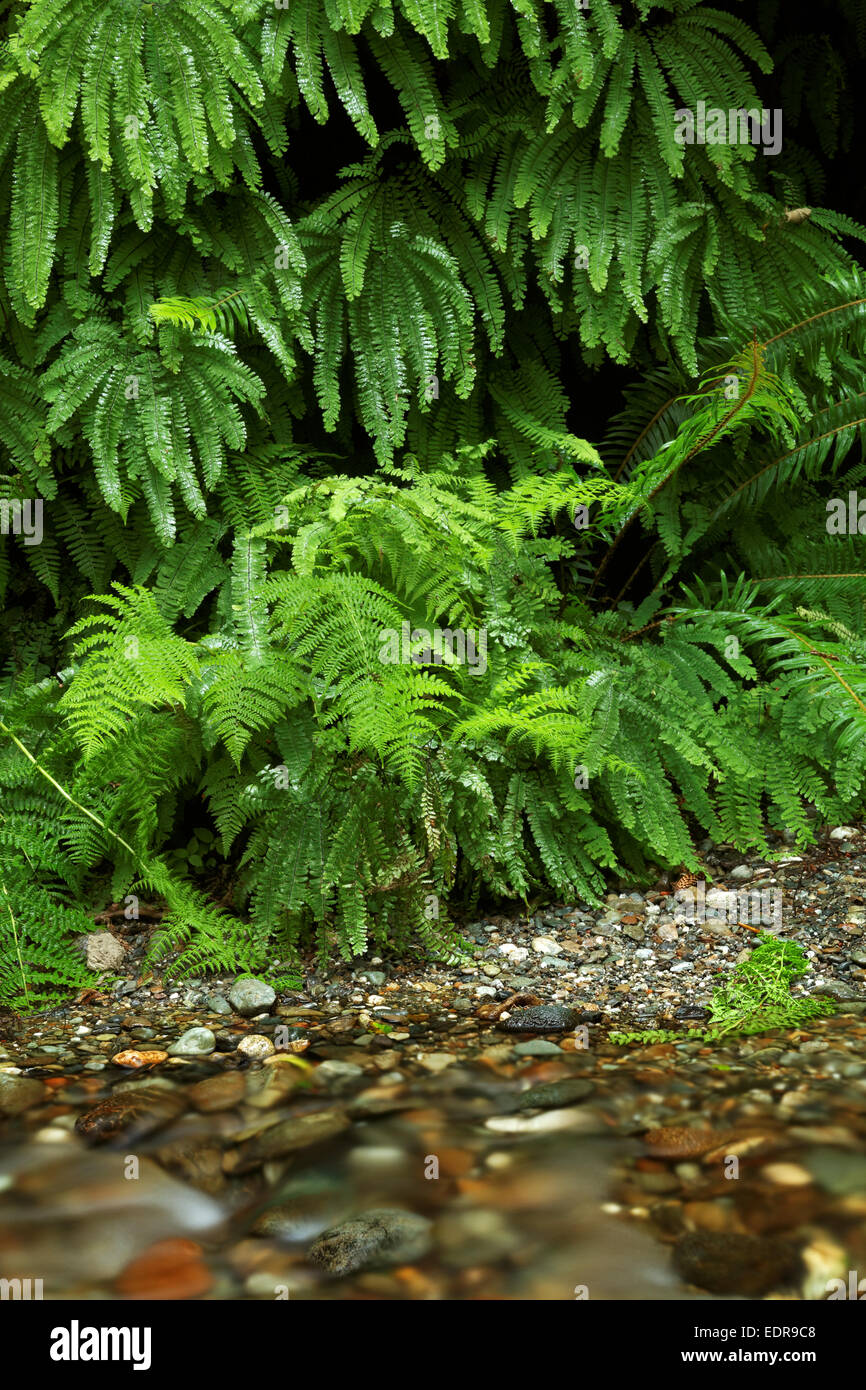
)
(552, 1095)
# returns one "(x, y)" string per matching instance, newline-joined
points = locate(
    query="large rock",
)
(102, 950)
(249, 997)
(379, 1239)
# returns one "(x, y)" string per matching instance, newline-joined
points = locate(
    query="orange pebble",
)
(133, 1058)
(455, 1162)
(170, 1269)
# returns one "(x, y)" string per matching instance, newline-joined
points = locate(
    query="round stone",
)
(195, 1042)
(256, 1045)
(18, 1093)
(249, 996)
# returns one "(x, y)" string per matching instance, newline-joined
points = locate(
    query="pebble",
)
(170, 1269)
(379, 1239)
(824, 1259)
(516, 954)
(730, 1263)
(335, 1074)
(216, 1093)
(102, 951)
(786, 1174)
(476, 1237)
(555, 1094)
(134, 1112)
(679, 1141)
(304, 1208)
(548, 1122)
(250, 996)
(256, 1045)
(540, 1018)
(289, 1136)
(436, 1061)
(131, 1058)
(271, 1086)
(195, 1042)
(18, 1093)
(374, 977)
(538, 1047)
(837, 1170)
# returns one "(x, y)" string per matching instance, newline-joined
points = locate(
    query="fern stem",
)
(669, 618)
(697, 448)
(17, 943)
(64, 793)
(807, 444)
(780, 578)
(813, 318)
(806, 643)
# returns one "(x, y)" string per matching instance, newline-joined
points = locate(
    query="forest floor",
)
(414, 1135)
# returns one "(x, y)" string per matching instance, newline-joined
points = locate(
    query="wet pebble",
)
(541, 1018)
(19, 1093)
(537, 1047)
(249, 997)
(195, 1042)
(214, 1093)
(335, 1074)
(379, 1239)
(132, 1112)
(838, 1171)
(256, 1045)
(730, 1263)
(133, 1058)
(287, 1137)
(553, 1095)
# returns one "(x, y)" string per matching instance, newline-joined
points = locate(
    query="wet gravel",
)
(393, 1132)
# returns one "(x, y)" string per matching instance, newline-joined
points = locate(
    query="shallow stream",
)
(457, 1165)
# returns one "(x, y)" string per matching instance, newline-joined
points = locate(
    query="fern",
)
(309, 313)
(757, 1000)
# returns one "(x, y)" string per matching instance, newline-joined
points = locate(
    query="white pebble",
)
(256, 1045)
